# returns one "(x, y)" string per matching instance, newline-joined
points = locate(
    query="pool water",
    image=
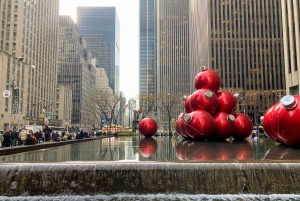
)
(161, 148)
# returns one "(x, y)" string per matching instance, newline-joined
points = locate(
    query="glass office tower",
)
(100, 27)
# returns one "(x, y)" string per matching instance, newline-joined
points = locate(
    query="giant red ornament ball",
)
(266, 122)
(227, 102)
(285, 120)
(204, 99)
(148, 127)
(187, 105)
(208, 79)
(199, 125)
(225, 126)
(243, 126)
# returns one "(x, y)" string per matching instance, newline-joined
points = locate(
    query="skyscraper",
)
(75, 69)
(164, 49)
(243, 41)
(291, 44)
(147, 46)
(28, 30)
(100, 27)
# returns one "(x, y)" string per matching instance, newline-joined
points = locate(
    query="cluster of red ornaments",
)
(210, 115)
(281, 121)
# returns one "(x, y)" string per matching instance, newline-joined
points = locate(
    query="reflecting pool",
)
(161, 148)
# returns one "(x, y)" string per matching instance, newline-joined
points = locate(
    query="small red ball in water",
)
(148, 127)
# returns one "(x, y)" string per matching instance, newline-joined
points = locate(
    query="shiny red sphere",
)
(225, 126)
(148, 146)
(267, 123)
(200, 125)
(285, 123)
(243, 126)
(208, 79)
(177, 126)
(148, 127)
(227, 102)
(187, 106)
(204, 99)
(180, 126)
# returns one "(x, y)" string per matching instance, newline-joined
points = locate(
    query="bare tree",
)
(170, 105)
(107, 107)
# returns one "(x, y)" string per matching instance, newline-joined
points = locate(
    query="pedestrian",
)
(29, 139)
(23, 135)
(1, 139)
(14, 137)
(40, 136)
(6, 136)
(47, 132)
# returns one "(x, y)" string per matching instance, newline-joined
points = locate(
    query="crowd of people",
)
(14, 137)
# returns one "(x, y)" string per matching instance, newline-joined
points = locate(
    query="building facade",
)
(164, 52)
(147, 47)
(291, 41)
(243, 41)
(28, 53)
(77, 71)
(100, 27)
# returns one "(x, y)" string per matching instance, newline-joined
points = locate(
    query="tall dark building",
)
(100, 27)
(164, 50)
(75, 70)
(243, 40)
(147, 46)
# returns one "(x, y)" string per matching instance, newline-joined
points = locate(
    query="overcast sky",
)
(128, 12)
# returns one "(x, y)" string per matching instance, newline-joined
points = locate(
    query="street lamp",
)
(12, 86)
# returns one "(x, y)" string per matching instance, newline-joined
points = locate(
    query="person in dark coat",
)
(6, 136)
(47, 132)
(29, 140)
(14, 137)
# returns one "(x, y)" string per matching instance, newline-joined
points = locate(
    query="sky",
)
(128, 12)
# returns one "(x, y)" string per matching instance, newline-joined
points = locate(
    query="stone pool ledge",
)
(24, 148)
(92, 178)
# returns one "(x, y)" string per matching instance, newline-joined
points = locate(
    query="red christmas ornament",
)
(200, 125)
(147, 127)
(204, 99)
(177, 126)
(187, 105)
(208, 79)
(243, 126)
(225, 126)
(227, 102)
(182, 126)
(285, 120)
(266, 122)
(147, 146)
